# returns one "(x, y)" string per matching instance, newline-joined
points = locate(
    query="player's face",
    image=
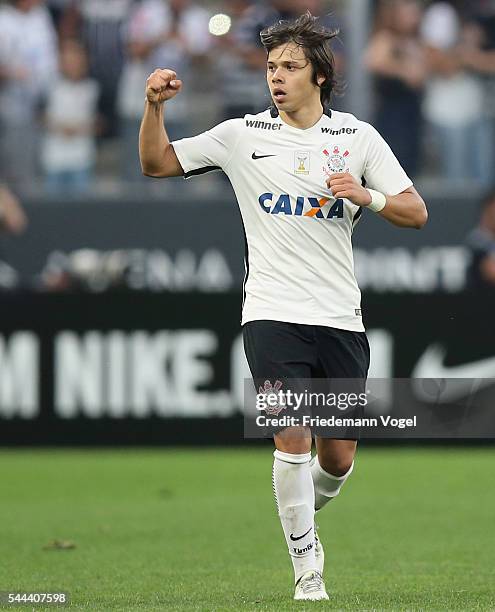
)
(289, 76)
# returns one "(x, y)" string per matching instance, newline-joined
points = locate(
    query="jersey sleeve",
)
(382, 170)
(212, 150)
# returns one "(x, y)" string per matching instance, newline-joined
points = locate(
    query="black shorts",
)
(277, 350)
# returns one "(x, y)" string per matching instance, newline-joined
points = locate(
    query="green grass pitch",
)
(413, 529)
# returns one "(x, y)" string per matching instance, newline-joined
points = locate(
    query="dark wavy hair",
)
(314, 39)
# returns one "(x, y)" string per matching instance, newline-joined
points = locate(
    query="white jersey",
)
(299, 262)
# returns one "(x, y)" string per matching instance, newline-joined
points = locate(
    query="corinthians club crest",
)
(336, 160)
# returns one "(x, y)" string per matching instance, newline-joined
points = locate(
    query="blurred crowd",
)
(72, 75)
(434, 68)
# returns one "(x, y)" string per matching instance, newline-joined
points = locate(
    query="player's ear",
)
(320, 79)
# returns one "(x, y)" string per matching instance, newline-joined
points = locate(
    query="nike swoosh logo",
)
(254, 156)
(294, 538)
(455, 382)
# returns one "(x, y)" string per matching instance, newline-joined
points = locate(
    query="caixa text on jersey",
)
(302, 206)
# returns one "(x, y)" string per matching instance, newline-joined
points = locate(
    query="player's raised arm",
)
(157, 155)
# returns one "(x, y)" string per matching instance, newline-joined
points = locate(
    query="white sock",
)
(294, 494)
(327, 486)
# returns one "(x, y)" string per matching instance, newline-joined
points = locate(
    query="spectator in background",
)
(463, 129)
(482, 12)
(159, 32)
(480, 58)
(185, 46)
(241, 93)
(477, 58)
(482, 244)
(13, 219)
(99, 24)
(146, 26)
(397, 58)
(28, 63)
(69, 148)
(57, 9)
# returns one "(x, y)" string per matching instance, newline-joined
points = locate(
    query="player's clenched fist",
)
(162, 85)
(344, 185)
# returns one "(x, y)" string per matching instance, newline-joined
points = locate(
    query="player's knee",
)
(294, 440)
(294, 447)
(336, 465)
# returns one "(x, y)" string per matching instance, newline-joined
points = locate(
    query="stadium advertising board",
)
(170, 368)
(101, 245)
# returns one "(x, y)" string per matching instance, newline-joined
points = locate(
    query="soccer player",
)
(298, 171)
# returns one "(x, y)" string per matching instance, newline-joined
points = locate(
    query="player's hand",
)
(344, 185)
(162, 85)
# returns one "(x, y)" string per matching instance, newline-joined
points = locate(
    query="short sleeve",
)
(209, 151)
(383, 171)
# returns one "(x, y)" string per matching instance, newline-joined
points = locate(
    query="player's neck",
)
(304, 118)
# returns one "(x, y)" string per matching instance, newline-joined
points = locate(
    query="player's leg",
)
(294, 495)
(284, 352)
(331, 467)
(295, 498)
(342, 354)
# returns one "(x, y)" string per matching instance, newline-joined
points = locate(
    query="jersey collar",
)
(326, 113)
